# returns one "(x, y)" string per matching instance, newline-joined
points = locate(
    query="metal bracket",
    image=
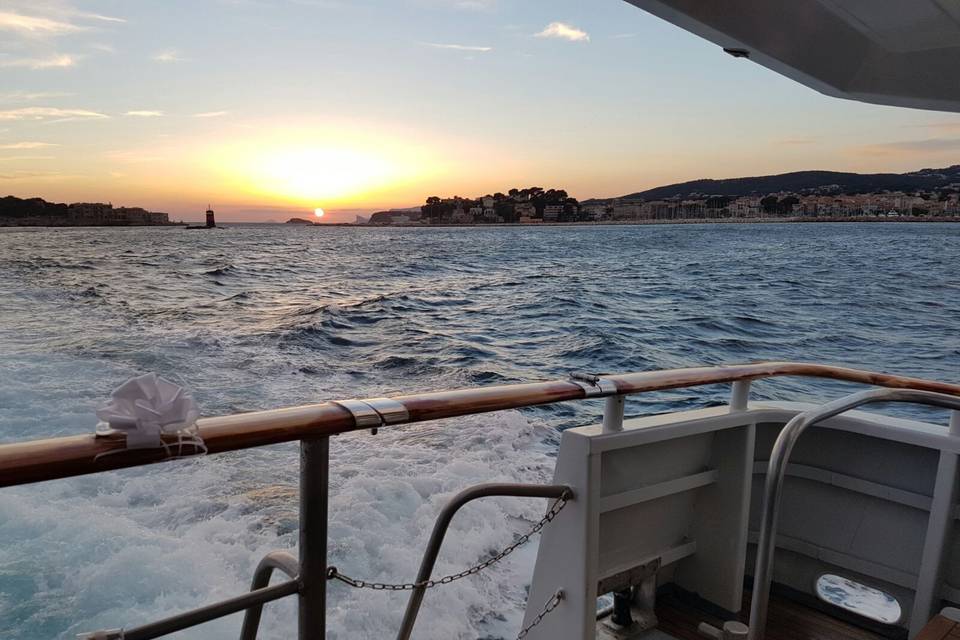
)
(629, 578)
(593, 385)
(391, 411)
(375, 412)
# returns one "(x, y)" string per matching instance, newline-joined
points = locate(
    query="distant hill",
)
(807, 181)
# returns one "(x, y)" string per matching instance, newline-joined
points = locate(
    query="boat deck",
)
(787, 620)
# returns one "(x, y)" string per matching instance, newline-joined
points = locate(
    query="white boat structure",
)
(680, 502)
(686, 518)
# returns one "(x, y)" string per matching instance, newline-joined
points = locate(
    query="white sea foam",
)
(125, 548)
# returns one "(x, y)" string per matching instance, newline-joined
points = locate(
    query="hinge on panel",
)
(375, 412)
(595, 386)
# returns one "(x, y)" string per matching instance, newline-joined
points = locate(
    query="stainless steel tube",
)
(314, 487)
(261, 578)
(773, 485)
(443, 522)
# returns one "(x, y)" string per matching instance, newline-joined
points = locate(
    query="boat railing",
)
(312, 425)
(943, 496)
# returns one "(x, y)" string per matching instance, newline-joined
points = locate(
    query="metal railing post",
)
(939, 526)
(613, 414)
(314, 487)
(740, 395)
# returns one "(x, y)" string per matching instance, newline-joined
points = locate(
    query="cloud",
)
(564, 31)
(474, 5)
(621, 36)
(26, 96)
(35, 25)
(910, 147)
(170, 55)
(796, 140)
(28, 145)
(144, 114)
(948, 125)
(39, 19)
(468, 5)
(133, 156)
(32, 175)
(95, 16)
(457, 47)
(210, 114)
(58, 61)
(50, 114)
(23, 158)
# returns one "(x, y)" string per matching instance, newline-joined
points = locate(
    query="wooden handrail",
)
(64, 457)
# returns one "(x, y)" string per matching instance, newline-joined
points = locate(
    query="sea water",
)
(262, 316)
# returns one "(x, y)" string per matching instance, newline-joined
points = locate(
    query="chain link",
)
(558, 505)
(547, 608)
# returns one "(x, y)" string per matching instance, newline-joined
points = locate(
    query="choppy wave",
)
(260, 316)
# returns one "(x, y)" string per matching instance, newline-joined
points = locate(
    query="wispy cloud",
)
(35, 25)
(96, 16)
(210, 114)
(133, 156)
(57, 61)
(457, 47)
(474, 5)
(35, 18)
(948, 125)
(23, 158)
(910, 147)
(32, 175)
(50, 114)
(170, 55)
(564, 31)
(31, 28)
(28, 145)
(30, 96)
(621, 36)
(321, 4)
(144, 114)
(467, 5)
(796, 140)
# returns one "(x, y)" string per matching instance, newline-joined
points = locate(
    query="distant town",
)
(927, 194)
(36, 212)
(537, 206)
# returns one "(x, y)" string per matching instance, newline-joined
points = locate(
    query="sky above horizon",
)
(271, 108)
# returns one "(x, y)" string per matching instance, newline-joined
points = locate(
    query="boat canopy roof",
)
(894, 52)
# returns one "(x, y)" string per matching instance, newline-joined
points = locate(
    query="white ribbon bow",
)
(147, 407)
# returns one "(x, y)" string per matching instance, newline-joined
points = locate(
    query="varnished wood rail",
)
(53, 458)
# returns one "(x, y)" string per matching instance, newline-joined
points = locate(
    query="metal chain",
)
(334, 574)
(547, 608)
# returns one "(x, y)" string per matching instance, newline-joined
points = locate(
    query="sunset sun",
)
(318, 212)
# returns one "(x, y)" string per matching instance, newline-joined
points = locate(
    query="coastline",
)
(791, 220)
(4, 225)
(606, 223)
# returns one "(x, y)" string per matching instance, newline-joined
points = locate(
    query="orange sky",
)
(269, 109)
